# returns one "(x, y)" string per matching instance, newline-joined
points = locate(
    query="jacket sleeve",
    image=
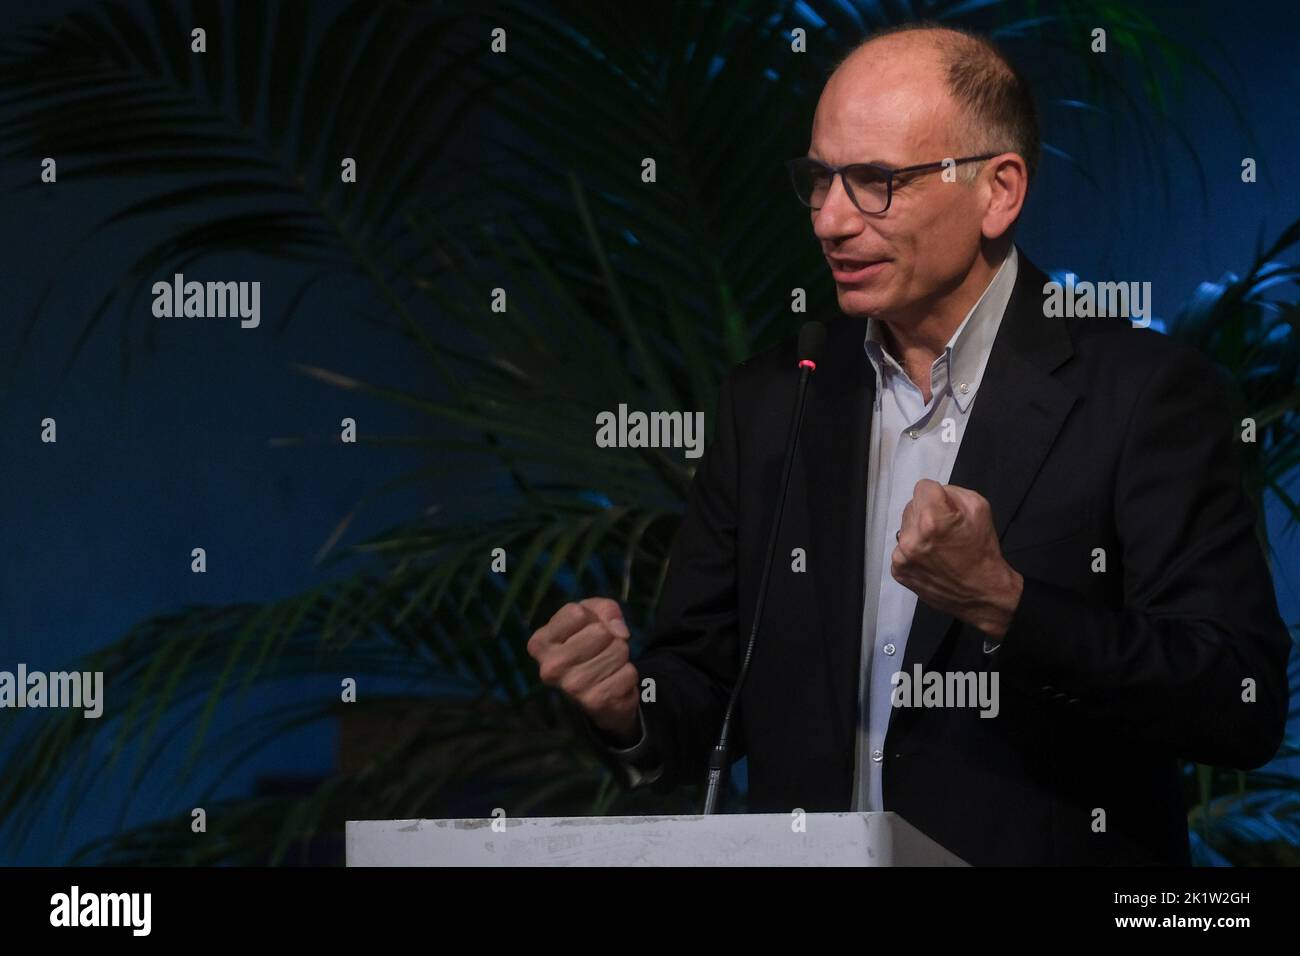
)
(691, 654)
(1194, 664)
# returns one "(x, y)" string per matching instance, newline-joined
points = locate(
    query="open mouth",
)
(855, 270)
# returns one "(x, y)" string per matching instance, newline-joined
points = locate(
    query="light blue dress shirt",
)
(910, 440)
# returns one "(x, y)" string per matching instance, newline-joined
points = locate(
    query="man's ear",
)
(1006, 180)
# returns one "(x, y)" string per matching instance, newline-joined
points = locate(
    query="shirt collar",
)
(964, 357)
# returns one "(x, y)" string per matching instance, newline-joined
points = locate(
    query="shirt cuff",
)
(636, 749)
(629, 757)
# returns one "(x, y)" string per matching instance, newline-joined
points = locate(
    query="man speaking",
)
(984, 495)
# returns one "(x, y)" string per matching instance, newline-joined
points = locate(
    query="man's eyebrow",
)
(813, 154)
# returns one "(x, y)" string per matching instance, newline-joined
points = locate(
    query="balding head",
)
(993, 105)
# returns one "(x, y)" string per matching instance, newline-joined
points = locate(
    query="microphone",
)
(812, 341)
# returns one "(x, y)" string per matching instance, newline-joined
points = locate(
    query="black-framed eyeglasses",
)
(870, 187)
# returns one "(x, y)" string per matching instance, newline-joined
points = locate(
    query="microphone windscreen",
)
(812, 340)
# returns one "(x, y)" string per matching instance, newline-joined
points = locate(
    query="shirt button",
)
(877, 756)
(913, 433)
(889, 649)
(964, 388)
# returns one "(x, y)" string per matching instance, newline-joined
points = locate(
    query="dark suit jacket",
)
(1085, 433)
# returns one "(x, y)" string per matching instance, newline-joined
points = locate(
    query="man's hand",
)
(948, 554)
(583, 651)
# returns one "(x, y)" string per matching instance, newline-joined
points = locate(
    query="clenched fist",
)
(948, 554)
(583, 651)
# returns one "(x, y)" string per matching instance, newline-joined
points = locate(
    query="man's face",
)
(890, 106)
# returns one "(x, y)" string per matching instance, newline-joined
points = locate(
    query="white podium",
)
(738, 839)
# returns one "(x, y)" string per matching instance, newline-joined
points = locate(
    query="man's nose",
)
(837, 215)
